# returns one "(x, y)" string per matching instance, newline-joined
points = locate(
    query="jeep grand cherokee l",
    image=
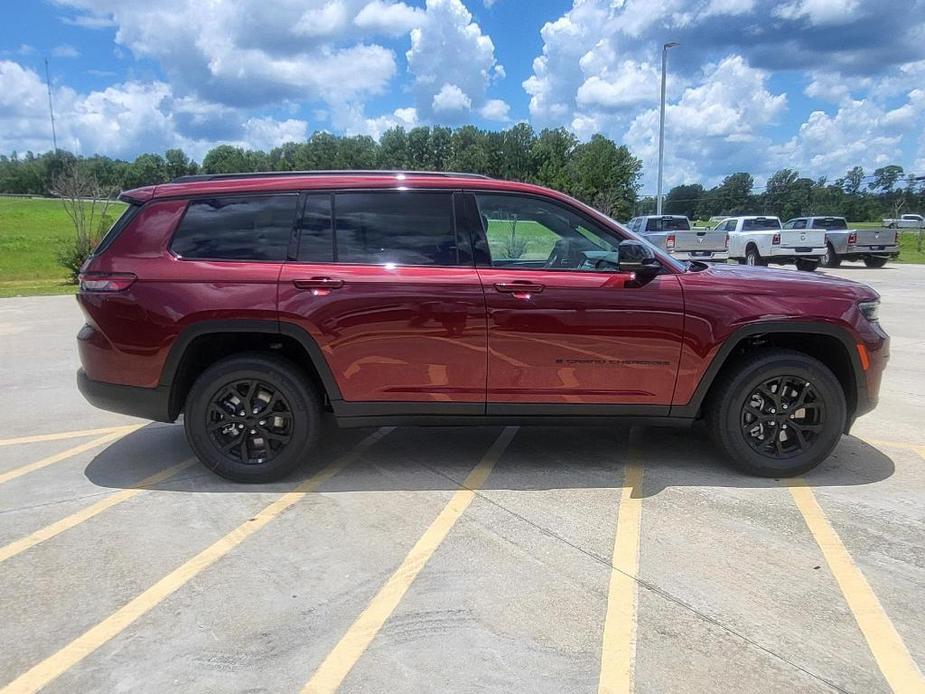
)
(252, 303)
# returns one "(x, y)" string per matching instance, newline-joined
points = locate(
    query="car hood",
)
(762, 280)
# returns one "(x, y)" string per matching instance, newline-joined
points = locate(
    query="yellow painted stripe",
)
(52, 667)
(64, 455)
(50, 531)
(64, 435)
(885, 643)
(339, 662)
(618, 648)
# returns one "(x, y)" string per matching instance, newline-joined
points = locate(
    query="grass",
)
(32, 232)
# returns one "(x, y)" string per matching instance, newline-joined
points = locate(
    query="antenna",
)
(51, 109)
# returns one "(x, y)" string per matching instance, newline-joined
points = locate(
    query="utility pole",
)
(51, 109)
(661, 126)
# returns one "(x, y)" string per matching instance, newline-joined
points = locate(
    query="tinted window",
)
(667, 224)
(316, 235)
(526, 232)
(123, 221)
(799, 224)
(830, 223)
(760, 223)
(404, 228)
(237, 228)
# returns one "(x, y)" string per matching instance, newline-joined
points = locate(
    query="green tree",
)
(393, 149)
(550, 154)
(605, 176)
(420, 149)
(178, 164)
(146, 170)
(684, 200)
(517, 147)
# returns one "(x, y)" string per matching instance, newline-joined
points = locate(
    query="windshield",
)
(760, 223)
(668, 224)
(830, 223)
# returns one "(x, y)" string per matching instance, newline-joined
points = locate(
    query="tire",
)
(830, 259)
(753, 258)
(806, 265)
(272, 448)
(873, 261)
(745, 440)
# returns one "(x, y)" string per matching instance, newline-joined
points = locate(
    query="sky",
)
(815, 85)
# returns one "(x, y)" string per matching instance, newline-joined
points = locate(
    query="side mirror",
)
(636, 256)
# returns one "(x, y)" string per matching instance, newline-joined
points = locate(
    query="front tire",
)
(830, 259)
(873, 261)
(806, 265)
(777, 413)
(252, 418)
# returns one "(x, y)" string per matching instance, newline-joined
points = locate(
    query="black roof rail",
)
(337, 172)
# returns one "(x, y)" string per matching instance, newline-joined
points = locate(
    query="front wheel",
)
(252, 417)
(806, 265)
(874, 261)
(777, 413)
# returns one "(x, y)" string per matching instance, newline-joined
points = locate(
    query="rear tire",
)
(252, 417)
(830, 259)
(872, 261)
(749, 420)
(806, 265)
(753, 258)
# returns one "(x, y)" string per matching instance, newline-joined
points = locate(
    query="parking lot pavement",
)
(455, 559)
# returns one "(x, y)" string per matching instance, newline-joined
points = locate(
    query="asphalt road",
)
(455, 560)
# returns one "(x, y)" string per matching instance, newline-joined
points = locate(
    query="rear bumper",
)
(876, 251)
(147, 403)
(713, 257)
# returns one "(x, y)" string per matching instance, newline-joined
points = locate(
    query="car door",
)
(388, 291)
(565, 335)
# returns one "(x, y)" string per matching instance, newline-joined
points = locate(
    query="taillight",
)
(669, 242)
(106, 282)
(776, 239)
(727, 242)
(853, 237)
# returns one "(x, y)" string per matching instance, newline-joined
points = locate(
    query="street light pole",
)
(661, 126)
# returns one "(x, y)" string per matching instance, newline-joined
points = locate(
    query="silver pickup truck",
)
(673, 233)
(874, 246)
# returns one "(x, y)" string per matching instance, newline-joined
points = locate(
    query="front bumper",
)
(147, 403)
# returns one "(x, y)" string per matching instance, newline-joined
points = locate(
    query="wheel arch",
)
(830, 344)
(203, 343)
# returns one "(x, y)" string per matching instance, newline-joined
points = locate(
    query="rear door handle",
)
(519, 286)
(320, 286)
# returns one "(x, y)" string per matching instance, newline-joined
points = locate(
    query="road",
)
(412, 560)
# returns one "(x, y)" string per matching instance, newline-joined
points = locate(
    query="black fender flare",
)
(744, 332)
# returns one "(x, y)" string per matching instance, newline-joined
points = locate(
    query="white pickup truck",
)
(673, 233)
(757, 240)
(907, 221)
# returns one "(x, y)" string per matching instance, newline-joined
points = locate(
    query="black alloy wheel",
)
(249, 421)
(783, 417)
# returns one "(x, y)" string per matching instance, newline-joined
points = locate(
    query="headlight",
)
(871, 310)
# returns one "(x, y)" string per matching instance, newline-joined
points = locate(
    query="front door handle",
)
(520, 289)
(320, 286)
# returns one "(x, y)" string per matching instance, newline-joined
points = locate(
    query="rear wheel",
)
(753, 258)
(830, 259)
(252, 418)
(778, 413)
(806, 265)
(874, 261)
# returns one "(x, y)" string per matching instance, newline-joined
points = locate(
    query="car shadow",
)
(538, 458)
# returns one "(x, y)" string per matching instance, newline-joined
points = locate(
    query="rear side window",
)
(405, 228)
(128, 214)
(253, 227)
(316, 237)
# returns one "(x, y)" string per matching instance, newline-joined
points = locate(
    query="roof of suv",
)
(209, 184)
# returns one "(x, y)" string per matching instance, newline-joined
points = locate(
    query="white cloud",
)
(389, 18)
(495, 110)
(821, 12)
(89, 21)
(126, 119)
(65, 50)
(450, 49)
(450, 99)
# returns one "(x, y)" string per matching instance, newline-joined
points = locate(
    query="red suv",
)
(252, 303)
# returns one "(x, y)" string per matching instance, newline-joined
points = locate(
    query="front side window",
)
(404, 228)
(253, 227)
(530, 233)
